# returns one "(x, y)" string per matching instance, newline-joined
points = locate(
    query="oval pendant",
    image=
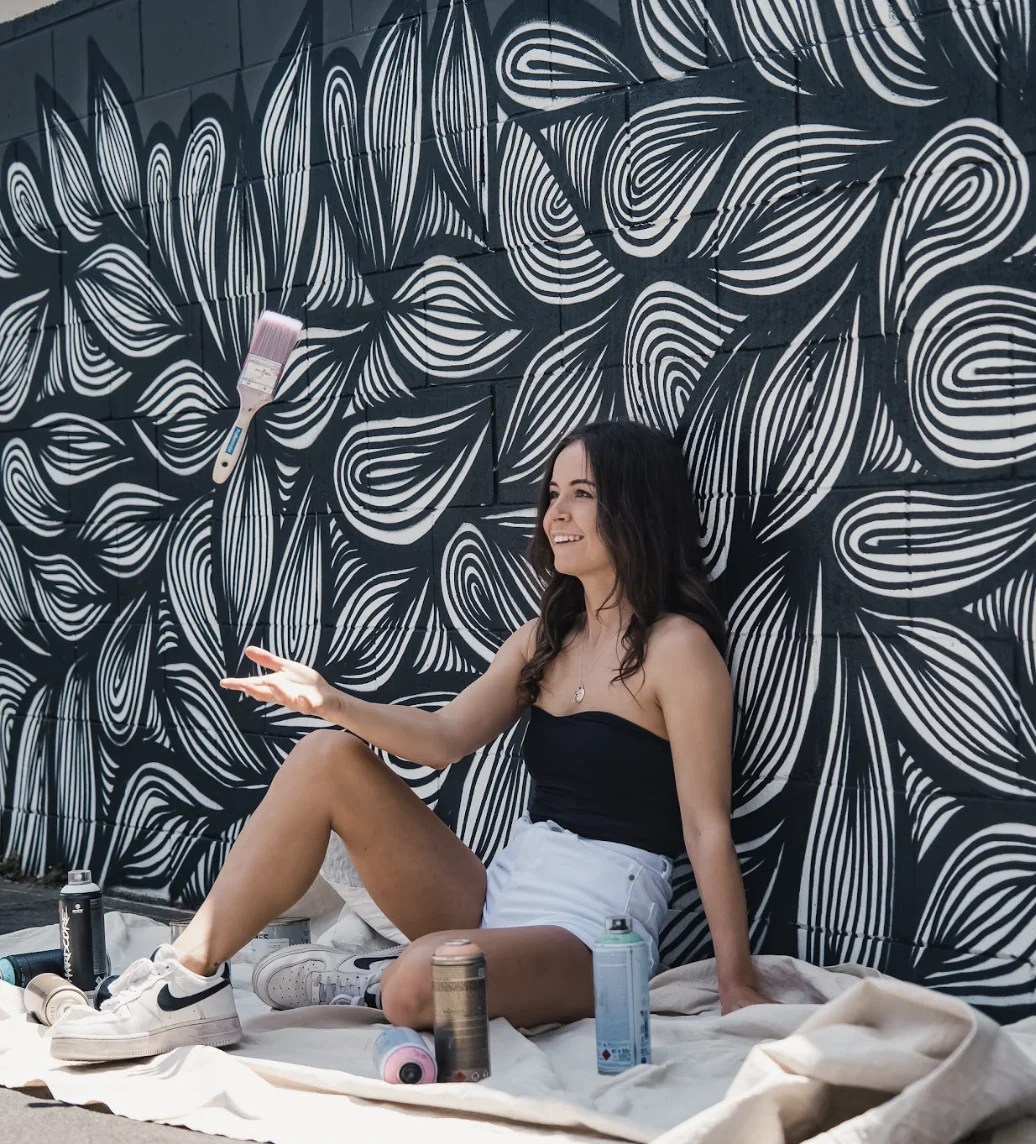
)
(578, 697)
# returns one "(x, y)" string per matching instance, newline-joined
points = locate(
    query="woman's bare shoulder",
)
(525, 637)
(676, 641)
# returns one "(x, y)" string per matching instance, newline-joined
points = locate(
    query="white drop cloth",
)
(848, 1058)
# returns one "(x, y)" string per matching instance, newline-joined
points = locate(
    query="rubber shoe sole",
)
(217, 1033)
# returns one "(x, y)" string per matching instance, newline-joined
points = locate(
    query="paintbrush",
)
(273, 339)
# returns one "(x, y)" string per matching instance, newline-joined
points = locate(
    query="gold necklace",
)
(580, 691)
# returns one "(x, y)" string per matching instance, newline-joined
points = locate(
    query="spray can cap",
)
(410, 1073)
(78, 877)
(620, 924)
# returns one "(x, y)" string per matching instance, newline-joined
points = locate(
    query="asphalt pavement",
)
(30, 1114)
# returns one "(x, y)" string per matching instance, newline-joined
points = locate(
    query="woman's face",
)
(570, 521)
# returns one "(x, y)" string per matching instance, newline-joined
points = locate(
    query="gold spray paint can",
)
(461, 1014)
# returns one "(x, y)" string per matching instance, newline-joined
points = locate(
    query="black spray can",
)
(82, 931)
(21, 968)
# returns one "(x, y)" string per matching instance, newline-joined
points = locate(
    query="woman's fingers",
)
(271, 688)
(250, 687)
(290, 684)
(266, 658)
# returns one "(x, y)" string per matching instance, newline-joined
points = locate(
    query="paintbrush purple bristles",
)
(273, 339)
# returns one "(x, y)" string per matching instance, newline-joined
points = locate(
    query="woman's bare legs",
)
(534, 974)
(416, 869)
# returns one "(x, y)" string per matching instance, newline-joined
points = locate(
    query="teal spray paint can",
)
(621, 1007)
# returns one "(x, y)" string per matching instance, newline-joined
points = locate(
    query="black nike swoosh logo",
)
(169, 1002)
(370, 962)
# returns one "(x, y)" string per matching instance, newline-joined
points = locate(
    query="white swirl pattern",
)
(554, 65)
(672, 336)
(75, 197)
(846, 894)
(561, 390)
(916, 543)
(888, 49)
(796, 237)
(774, 660)
(118, 168)
(1011, 609)
(550, 252)
(675, 35)
(779, 223)
(660, 165)
(985, 896)
(971, 367)
(929, 668)
(450, 323)
(961, 197)
(778, 32)
(28, 210)
(29, 496)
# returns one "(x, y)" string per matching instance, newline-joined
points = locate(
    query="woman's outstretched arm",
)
(483, 710)
(694, 690)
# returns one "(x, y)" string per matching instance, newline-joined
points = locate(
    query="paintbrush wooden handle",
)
(232, 446)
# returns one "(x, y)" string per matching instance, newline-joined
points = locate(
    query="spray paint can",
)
(20, 968)
(48, 997)
(177, 926)
(621, 1007)
(82, 931)
(279, 934)
(402, 1057)
(461, 1014)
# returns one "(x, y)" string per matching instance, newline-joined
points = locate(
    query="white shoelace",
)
(132, 982)
(332, 992)
(348, 998)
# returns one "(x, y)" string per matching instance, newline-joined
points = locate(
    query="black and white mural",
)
(796, 235)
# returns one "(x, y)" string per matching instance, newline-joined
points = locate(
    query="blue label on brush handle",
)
(234, 438)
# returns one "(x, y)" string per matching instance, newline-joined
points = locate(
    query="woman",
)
(628, 745)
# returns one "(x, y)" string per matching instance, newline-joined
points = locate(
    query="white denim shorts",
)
(548, 876)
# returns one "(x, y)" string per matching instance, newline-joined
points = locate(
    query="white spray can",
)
(621, 1008)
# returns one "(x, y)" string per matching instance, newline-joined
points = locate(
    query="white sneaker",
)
(155, 1005)
(321, 975)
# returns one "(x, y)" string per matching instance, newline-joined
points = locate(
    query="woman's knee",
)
(406, 990)
(324, 750)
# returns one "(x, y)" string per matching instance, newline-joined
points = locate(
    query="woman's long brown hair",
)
(647, 516)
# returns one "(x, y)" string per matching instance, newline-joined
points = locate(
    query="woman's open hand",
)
(292, 685)
(740, 997)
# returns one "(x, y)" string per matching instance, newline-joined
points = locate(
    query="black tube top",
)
(601, 776)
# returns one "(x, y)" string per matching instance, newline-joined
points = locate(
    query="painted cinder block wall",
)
(798, 240)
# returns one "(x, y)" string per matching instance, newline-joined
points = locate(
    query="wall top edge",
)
(47, 15)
